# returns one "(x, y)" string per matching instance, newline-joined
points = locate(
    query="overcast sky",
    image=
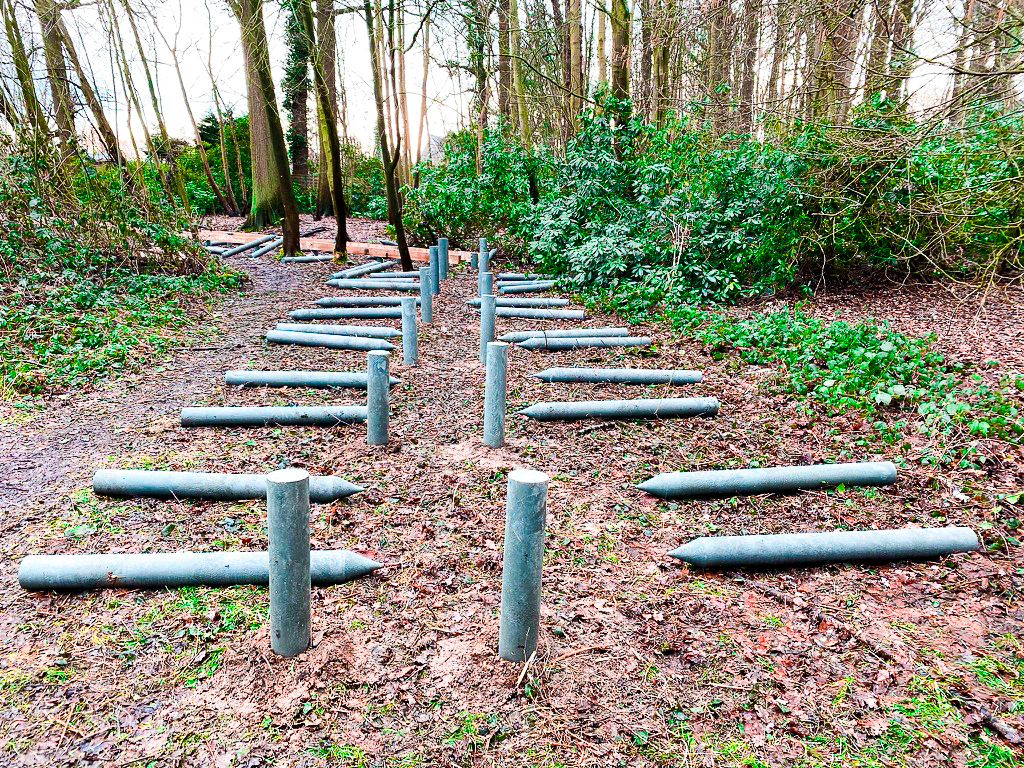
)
(190, 23)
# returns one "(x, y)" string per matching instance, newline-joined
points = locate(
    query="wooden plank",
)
(323, 245)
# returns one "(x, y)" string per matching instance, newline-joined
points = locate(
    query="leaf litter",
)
(641, 662)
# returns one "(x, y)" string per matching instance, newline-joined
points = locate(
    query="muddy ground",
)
(641, 662)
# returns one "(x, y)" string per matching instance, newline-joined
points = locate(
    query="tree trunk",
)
(878, 49)
(751, 27)
(576, 86)
(622, 33)
(504, 60)
(602, 59)
(267, 196)
(254, 38)
(330, 125)
(517, 73)
(295, 92)
(327, 37)
(57, 73)
(103, 127)
(388, 164)
(23, 71)
(221, 131)
(133, 96)
(403, 98)
(423, 98)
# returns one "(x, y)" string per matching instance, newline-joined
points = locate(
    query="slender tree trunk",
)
(779, 47)
(751, 27)
(504, 60)
(562, 39)
(423, 98)
(224, 206)
(57, 73)
(962, 52)
(388, 164)
(878, 48)
(602, 59)
(575, 21)
(133, 97)
(172, 171)
(221, 130)
(517, 73)
(103, 127)
(330, 125)
(23, 72)
(403, 96)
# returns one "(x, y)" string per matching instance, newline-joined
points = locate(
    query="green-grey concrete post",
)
(288, 548)
(442, 251)
(377, 404)
(487, 314)
(485, 283)
(495, 387)
(525, 512)
(435, 269)
(426, 296)
(409, 351)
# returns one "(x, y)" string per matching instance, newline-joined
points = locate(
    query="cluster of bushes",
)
(95, 271)
(692, 218)
(898, 383)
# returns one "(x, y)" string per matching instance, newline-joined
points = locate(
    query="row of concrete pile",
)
(181, 569)
(717, 552)
(289, 492)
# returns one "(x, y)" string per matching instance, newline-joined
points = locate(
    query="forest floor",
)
(642, 662)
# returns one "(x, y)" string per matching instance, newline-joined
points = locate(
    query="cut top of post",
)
(288, 475)
(527, 476)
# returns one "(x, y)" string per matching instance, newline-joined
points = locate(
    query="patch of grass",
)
(1003, 677)
(472, 730)
(350, 757)
(87, 516)
(865, 367)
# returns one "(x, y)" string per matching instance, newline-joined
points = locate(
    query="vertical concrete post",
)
(435, 270)
(485, 261)
(485, 283)
(378, 385)
(288, 549)
(409, 351)
(488, 305)
(494, 394)
(483, 250)
(426, 296)
(442, 252)
(525, 512)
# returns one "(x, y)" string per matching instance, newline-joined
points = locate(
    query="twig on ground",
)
(578, 651)
(526, 667)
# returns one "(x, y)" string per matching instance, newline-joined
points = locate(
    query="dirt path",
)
(641, 662)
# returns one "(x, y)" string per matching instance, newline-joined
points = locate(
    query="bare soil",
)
(641, 662)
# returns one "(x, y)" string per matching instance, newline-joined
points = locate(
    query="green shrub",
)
(452, 200)
(93, 277)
